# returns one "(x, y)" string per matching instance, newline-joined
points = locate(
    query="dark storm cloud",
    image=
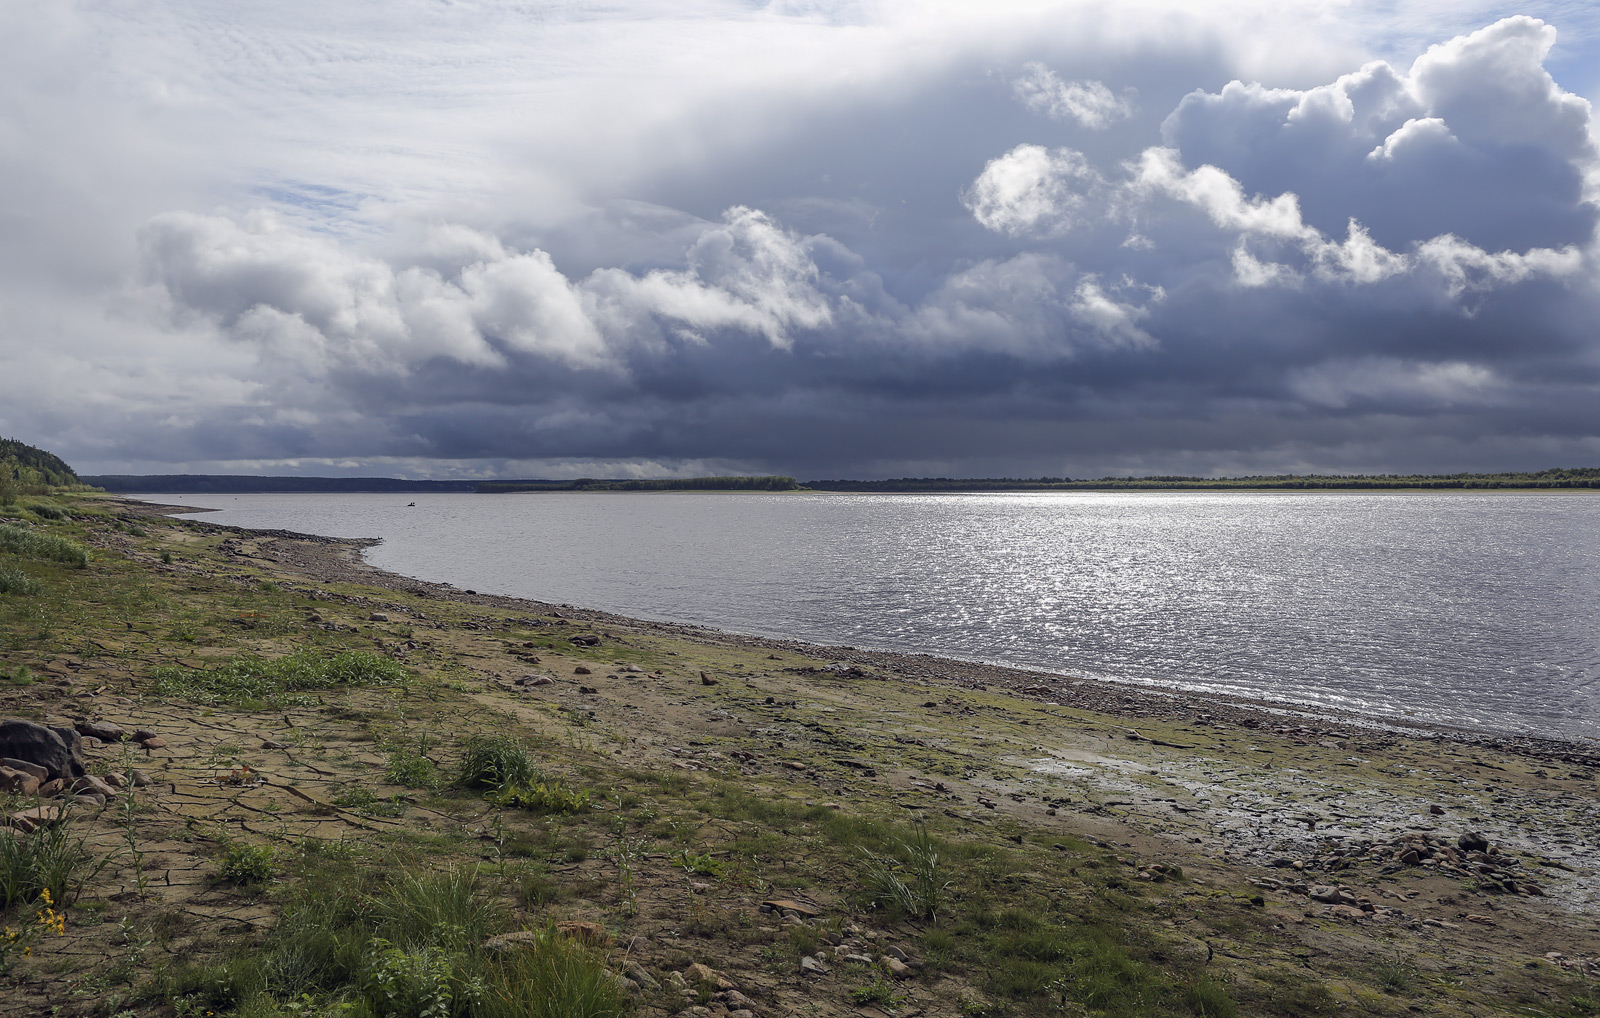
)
(1067, 252)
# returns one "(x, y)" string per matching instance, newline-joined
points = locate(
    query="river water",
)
(1475, 610)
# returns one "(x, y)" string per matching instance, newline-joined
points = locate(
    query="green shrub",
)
(246, 864)
(249, 682)
(494, 761)
(410, 984)
(48, 512)
(15, 581)
(541, 797)
(27, 542)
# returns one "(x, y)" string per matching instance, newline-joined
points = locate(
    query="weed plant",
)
(31, 544)
(541, 797)
(249, 682)
(247, 865)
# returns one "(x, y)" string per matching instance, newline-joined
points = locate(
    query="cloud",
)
(1032, 188)
(825, 238)
(1088, 103)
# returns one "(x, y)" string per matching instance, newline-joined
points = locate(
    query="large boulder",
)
(46, 747)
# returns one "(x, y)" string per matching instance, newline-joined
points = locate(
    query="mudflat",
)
(722, 824)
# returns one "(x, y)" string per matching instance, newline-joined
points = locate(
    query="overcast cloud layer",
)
(820, 238)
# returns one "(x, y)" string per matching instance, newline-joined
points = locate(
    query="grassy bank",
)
(367, 798)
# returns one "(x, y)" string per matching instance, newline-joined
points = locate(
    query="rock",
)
(270, 744)
(52, 788)
(639, 974)
(116, 780)
(153, 744)
(699, 973)
(506, 941)
(706, 680)
(900, 954)
(105, 731)
(1324, 893)
(733, 999)
(139, 778)
(1436, 810)
(581, 670)
(589, 933)
(50, 748)
(788, 904)
(812, 966)
(584, 640)
(742, 1012)
(141, 734)
(1472, 842)
(19, 782)
(897, 968)
(30, 820)
(378, 617)
(93, 786)
(26, 767)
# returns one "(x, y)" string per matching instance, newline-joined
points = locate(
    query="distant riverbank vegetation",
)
(771, 483)
(202, 484)
(1582, 477)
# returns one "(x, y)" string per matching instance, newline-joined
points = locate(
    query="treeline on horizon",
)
(1578, 477)
(767, 483)
(48, 470)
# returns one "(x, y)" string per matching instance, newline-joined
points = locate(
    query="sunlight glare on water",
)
(1478, 610)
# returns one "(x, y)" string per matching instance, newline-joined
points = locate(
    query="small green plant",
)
(21, 675)
(700, 863)
(166, 558)
(879, 992)
(412, 770)
(541, 797)
(246, 865)
(25, 541)
(495, 761)
(48, 512)
(15, 581)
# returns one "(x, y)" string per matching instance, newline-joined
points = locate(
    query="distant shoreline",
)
(1585, 479)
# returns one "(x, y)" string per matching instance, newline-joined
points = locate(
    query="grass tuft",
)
(48, 858)
(495, 761)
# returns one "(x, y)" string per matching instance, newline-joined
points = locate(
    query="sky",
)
(823, 238)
